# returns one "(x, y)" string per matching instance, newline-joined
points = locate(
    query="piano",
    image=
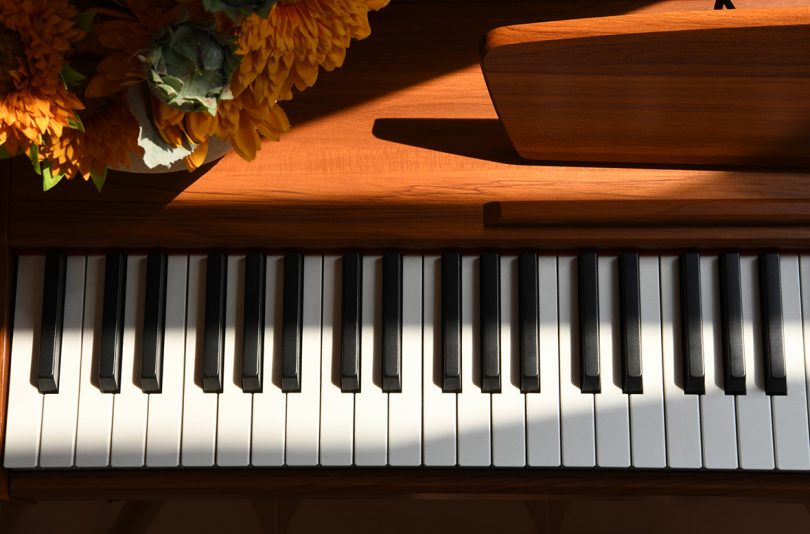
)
(391, 301)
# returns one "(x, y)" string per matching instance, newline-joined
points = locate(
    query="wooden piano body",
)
(402, 148)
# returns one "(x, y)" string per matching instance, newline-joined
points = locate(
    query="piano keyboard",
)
(691, 361)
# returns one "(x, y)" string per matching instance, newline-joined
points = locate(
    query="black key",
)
(351, 309)
(773, 349)
(490, 317)
(53, 312)
(630, 320)
(392, 323)
(451, 322)
(588, 323)
(731, 314)
(694, 382)
(154, 324)
(112, 328)
(529, 323)
(293, 322)
(215, 289)
(253, 334)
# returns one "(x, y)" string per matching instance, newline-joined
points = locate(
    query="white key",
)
(131, 405)
(474, 410)
(754, 429)
(405, 408)
(371, 404)
(611, 405)
(60, 410)
(543, 408)
(439, 409)
(234, 421)
(717, 414)
(337, 408)
(199, 408)
(165, 418)
(577, 408)
(24, 400)
(790, 432)
(682, 411)
(270, 406)
(647, 409)
(509, 406)
(304, 407)
(94, 426)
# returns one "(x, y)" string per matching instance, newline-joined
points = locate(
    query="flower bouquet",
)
(89, 85)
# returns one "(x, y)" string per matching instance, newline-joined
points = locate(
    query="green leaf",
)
(49, 180)
(85, 19)
(4, 153)
(75, 122)
(33, 154)
(71, 76)
(98, 180)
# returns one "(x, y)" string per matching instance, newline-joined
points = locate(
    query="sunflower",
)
(35, 37)
(110, 135)
(287, 48)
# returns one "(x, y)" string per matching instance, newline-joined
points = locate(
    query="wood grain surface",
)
(697, 88)
(6, 274)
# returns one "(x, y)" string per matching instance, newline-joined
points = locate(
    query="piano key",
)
(59, 410)
(253, 332)
(94, 425)
(199, 407)
(235, 406)
(303, 405)
(754, 427)
(351, 277)
(682, 412)
(588, 306)
(691, 324)
(772, 324)
(24, 413)
(131, 405)
(392, 323)
(293, 322)
(216, 274)
(630, 317)
(154, 323)
(543, 408)
(337, 408)
(53, 312)
(717, 411)
(577, 426)
(528, 323)
(647, 438)
(164, 422)
(509, 407)
(371, 404)
(270, 405)
(490, 325)
(109, 370)
(612, 409)
(473, 405)
(405, 408)
(731, 316)
(439, 409)
(790, 428)
(451, 322)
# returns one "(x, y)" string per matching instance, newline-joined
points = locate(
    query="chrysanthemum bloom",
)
(35, 37)
(110, 135)
(298, 37)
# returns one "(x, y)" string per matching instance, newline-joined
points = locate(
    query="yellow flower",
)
(35, 37)
(110, 135)
(298, 37)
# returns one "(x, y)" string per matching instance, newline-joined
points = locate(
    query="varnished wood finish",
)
(694, 88)
(341, 483)
(6, 273)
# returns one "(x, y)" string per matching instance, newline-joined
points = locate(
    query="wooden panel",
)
(6, 274)
(342, 483)
(401, 147)
(699, 88)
